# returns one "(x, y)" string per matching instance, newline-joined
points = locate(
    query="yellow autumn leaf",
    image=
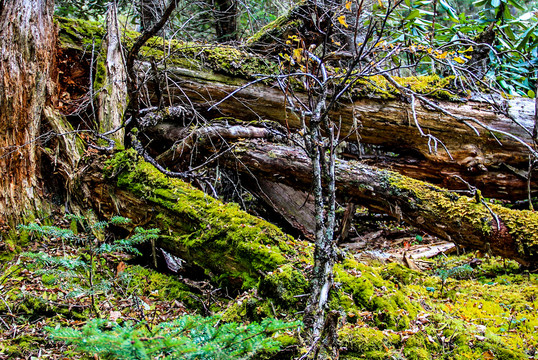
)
(381, 5)
(342, 20)
(298, 54)
(459, 60)
(348, 5)
(470, 48)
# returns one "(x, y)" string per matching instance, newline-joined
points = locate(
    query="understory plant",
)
(79, 273)
(188, 337)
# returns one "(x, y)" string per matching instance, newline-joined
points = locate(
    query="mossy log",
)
(470, 222)
(200, 76)
(234, 249)
(219, 238)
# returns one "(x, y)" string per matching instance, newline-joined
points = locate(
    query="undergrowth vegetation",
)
(79, 291)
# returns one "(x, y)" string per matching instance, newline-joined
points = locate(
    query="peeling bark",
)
(113, 95)
(27, 69)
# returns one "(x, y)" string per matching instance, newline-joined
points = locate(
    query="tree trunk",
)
(220, 238)
(472, 223)
(225, 20)
(27, 69)
(113, 95)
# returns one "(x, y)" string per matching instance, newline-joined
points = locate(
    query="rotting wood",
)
(452, 217)
(27, 66)
(487, 161)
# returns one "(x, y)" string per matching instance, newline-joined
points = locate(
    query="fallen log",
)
(202, 76)
(233, 246)
(471, 222)
(493, 162)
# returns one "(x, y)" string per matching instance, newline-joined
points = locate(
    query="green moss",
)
(77, 33)
(235, 246)
(100, 72)
(159, 286)
(431, 85)
(399, 274)
(227, 60)
(417, 354)
(277, 29)
(362, 287)
(366, 343)
(248, 307)
(520, 227)
(19, 346)
(287, 284)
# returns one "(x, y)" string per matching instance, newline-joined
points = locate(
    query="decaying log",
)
(468, 221)
(295, 206)
(494, 163)
(232, 245)
(375, 115)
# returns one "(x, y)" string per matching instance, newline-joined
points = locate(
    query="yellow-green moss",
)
(157, 285)
(77, 33)
(366, 343)
(362, 287)
(227, 60)
(399, 274)
(431, 85)
(287, 284)
(232, 244)
(276, 29)
(522, 225)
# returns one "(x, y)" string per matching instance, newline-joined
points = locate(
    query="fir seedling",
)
(69, 268)
(188, 337)
(444, 272)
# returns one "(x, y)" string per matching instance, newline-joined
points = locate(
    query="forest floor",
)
(466, 301)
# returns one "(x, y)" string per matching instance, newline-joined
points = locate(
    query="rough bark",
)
(27, 67)
(225, 20)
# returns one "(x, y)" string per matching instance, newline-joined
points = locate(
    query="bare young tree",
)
(308, 64)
